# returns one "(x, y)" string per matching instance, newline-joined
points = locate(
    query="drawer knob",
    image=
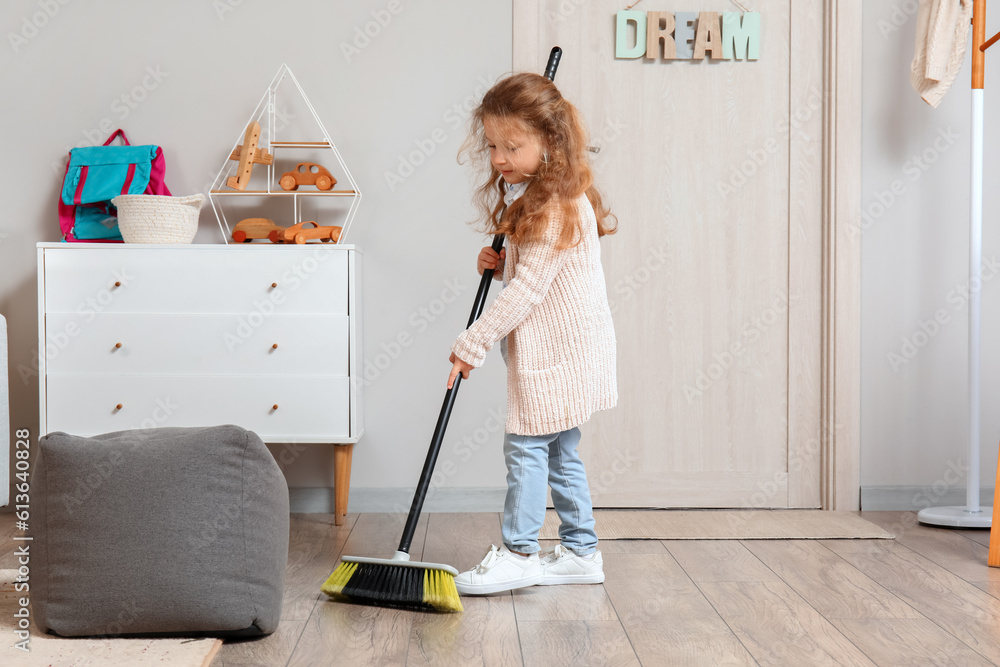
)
(118, 283)
(274, 347)
(273, 285)
(118, 346)
(274, 407)
(118, 407)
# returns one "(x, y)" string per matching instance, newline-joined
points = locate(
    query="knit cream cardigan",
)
(942, 36)
(560, 336)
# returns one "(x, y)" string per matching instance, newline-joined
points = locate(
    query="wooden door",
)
(715, 170)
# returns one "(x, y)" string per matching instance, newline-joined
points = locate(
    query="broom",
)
(399, 582)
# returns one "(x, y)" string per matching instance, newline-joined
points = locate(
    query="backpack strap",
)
(78, 195)
(119, 132)
(128, 178)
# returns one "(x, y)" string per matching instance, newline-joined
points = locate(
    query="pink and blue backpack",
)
(97, 174)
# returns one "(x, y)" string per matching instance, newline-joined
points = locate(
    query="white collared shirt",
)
(514, 192)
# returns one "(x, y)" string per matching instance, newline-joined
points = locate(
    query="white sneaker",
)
(562, 566)
(500, 571)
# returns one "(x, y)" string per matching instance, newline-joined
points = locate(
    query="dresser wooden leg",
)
(341, 481)
(993, 556)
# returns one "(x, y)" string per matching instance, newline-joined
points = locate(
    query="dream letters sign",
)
(689, 35)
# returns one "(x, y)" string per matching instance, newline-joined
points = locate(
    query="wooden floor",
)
(926, 598)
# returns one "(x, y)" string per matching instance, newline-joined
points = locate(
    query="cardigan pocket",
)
(553, 399)
(546, 385)
(537, 351)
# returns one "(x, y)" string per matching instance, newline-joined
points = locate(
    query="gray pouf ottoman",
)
(165, 530)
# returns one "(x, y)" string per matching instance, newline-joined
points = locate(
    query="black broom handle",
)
(449, 398)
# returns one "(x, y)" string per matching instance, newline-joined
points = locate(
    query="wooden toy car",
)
(257, 228)
(307, 173)
(300, 233)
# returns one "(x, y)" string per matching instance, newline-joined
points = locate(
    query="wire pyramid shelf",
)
(265, 115)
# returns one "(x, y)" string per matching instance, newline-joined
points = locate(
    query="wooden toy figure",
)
(299, 233)
(248, 154)
(307, 173)
(249, 229)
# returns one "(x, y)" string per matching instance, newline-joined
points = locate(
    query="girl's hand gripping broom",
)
(400, 582)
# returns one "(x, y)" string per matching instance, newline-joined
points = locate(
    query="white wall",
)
(915, 249)
(213, 61)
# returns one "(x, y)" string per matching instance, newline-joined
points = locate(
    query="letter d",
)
(622, 19)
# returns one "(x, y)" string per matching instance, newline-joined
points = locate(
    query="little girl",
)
(554, 322)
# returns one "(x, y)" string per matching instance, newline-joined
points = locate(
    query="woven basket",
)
(158, 218)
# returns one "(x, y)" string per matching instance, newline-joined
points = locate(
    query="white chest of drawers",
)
(266, 337)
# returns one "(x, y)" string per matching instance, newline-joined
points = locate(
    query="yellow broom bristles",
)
(336, 582)
(440, 591)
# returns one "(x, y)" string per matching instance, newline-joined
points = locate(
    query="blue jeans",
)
(533, 460)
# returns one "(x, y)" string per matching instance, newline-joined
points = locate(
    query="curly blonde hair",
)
(532, 103)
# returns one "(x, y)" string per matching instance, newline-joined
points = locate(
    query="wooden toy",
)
(300, 234)
(257, 228)
(307, 173)
(248, 154)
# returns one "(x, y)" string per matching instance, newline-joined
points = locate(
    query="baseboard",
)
(319, 500)
(916, 498)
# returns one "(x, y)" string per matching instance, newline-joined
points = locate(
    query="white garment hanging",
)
(942, 35)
